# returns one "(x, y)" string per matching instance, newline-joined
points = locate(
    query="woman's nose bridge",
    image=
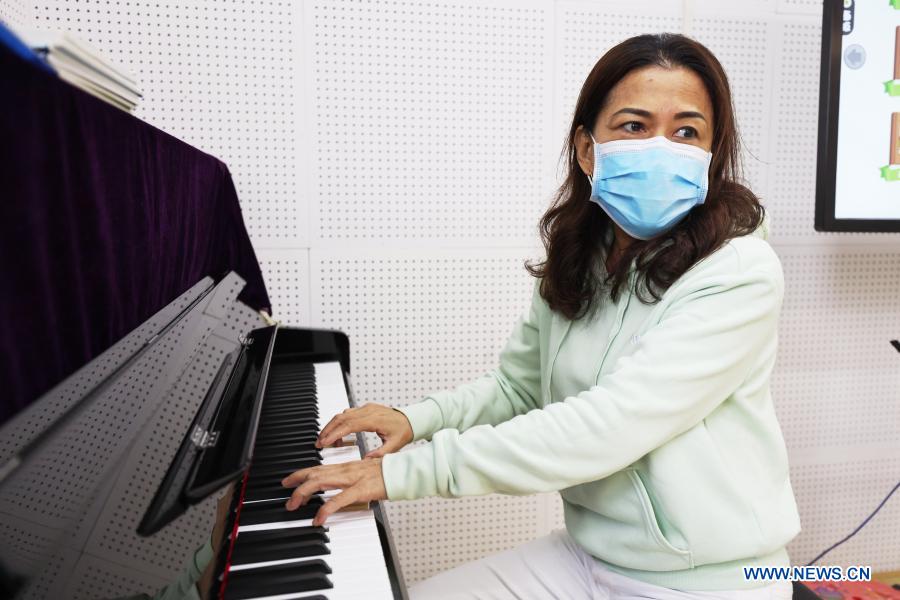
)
(660, 126)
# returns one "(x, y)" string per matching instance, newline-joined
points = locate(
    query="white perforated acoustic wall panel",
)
(393, 158)
(288, 284)
(837, 392)
(807, 7)
(15, 12)
(743, 44)
(428, 120)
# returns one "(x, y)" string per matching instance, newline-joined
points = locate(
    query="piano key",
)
(266, 512)
(258, 537)
(288, 453)
(279, 469)
(353, 548)
(275, 440)
(289, 426)
(331, 390)
(274, 553)
(301, 448)
(278, 579)
(356, 559)
(290, 411)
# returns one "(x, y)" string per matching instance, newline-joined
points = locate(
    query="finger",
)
(387, 447)
(332, 479)
(337, 433)
(337, 502)
(297, 477)
(335, 421)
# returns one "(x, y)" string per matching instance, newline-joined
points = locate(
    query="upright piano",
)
(109, 481)
(141, 382)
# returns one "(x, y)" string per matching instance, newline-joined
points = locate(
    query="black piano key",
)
(291, 425)
(288, 403)
(305, 576)
(275, 512)
(259, 537)
(267, 486)
(286, 444)
(274, 440)
(287, 409)
(279, 550)
(267, 492)
(299, 427)
(294, 423)
(291, 388)
(285, 397)
(302, 433)
(278, 470)
(283, 454)
(270, 486)
(281, 463)
(304, 396)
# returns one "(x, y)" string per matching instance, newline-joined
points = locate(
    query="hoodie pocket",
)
(651, 521)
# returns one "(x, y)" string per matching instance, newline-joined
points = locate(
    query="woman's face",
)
(649, 102)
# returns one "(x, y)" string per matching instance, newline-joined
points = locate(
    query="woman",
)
(637, 385)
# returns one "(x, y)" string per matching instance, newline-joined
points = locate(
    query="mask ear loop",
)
(590, 178)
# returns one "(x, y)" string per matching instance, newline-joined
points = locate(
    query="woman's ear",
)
(584, 151)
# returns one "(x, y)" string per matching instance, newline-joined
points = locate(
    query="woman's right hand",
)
(390, 424)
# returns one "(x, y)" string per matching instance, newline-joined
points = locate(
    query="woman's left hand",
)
(360, 480)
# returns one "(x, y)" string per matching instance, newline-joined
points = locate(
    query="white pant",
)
(555, 566)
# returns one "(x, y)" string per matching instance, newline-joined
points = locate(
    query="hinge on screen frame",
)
(201, 438)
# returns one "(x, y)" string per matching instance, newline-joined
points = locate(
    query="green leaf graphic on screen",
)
(890, 173)
(892, 86)
(895, 4)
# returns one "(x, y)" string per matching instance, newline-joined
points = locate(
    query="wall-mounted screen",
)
(858, 173)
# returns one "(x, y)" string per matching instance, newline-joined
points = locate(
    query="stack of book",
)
(81, 65)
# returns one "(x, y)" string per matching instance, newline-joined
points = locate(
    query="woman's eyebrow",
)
(633, 111)
(689, 114)
(686, 114)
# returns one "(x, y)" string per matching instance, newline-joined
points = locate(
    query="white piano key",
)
(340, 454)
(341, 517)
(356, 561)
(330, 391)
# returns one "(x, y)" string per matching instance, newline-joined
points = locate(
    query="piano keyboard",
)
(278, 554)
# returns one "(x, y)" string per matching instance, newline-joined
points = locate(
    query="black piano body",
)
(83, 467)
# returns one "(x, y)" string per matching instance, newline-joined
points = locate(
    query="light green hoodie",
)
(672, 467)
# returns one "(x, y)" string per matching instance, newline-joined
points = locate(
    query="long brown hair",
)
(573, 228)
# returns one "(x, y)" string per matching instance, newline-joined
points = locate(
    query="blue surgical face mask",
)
(647, 186)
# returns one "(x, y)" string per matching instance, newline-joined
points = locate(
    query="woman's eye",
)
(689, 132)
(633, 126)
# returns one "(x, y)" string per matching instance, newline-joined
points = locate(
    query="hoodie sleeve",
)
(720, 323)
(511, 389)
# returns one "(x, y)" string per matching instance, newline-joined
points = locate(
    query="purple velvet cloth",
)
(104, 221)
